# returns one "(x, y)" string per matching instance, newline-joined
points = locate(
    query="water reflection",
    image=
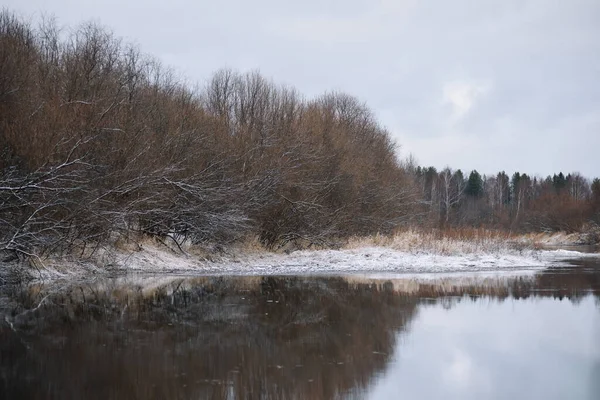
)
(539, 348)
(203, 338)
(290, 337)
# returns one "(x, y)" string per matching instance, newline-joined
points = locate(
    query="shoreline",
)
(409, 252)
(370, 260)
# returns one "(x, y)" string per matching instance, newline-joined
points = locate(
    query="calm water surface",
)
(496, 337)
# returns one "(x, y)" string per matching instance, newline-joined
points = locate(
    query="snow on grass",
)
(374, 259)
(377, 260)
(408, 253)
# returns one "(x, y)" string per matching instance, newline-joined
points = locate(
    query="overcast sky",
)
(489, 85)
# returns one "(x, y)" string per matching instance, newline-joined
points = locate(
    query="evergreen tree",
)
(596, 193)
(504, 187)
(514, 183)
(474, 185)
(430, 176)
(458, 181)
(559, 181)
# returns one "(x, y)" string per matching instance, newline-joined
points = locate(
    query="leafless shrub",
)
(98, 138)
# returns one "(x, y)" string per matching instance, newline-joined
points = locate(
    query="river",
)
(532, 336)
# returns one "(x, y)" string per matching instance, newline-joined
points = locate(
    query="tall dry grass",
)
(452, 241)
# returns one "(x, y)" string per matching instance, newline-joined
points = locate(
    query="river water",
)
(535, 336)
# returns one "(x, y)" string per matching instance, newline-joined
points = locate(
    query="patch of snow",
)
(561, 254)
(371, 260)
(387, 260)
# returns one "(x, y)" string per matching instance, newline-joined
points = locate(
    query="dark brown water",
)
(535, 336)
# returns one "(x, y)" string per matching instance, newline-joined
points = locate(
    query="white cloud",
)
(460, 371)
(461, 96)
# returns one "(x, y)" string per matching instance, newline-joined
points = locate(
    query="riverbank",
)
(408, 252)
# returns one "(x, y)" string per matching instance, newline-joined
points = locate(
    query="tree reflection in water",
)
(229, 338)
(204, 338)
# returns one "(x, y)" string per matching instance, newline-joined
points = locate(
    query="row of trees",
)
(99, 139)
(519, 202)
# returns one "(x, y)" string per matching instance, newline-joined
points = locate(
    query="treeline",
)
(519, 202)
(98, 139)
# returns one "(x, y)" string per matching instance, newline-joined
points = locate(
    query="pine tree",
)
(596, 193)
(559, 181)
(474, 185)
(503, 187)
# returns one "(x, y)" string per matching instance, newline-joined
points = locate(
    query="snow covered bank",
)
(386, 260)
(369, 260)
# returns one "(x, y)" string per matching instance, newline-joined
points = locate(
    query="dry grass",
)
(588, 235)
(444, 242)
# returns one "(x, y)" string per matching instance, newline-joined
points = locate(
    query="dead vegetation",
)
(444, 242)
(99, 140)
(102, 146)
